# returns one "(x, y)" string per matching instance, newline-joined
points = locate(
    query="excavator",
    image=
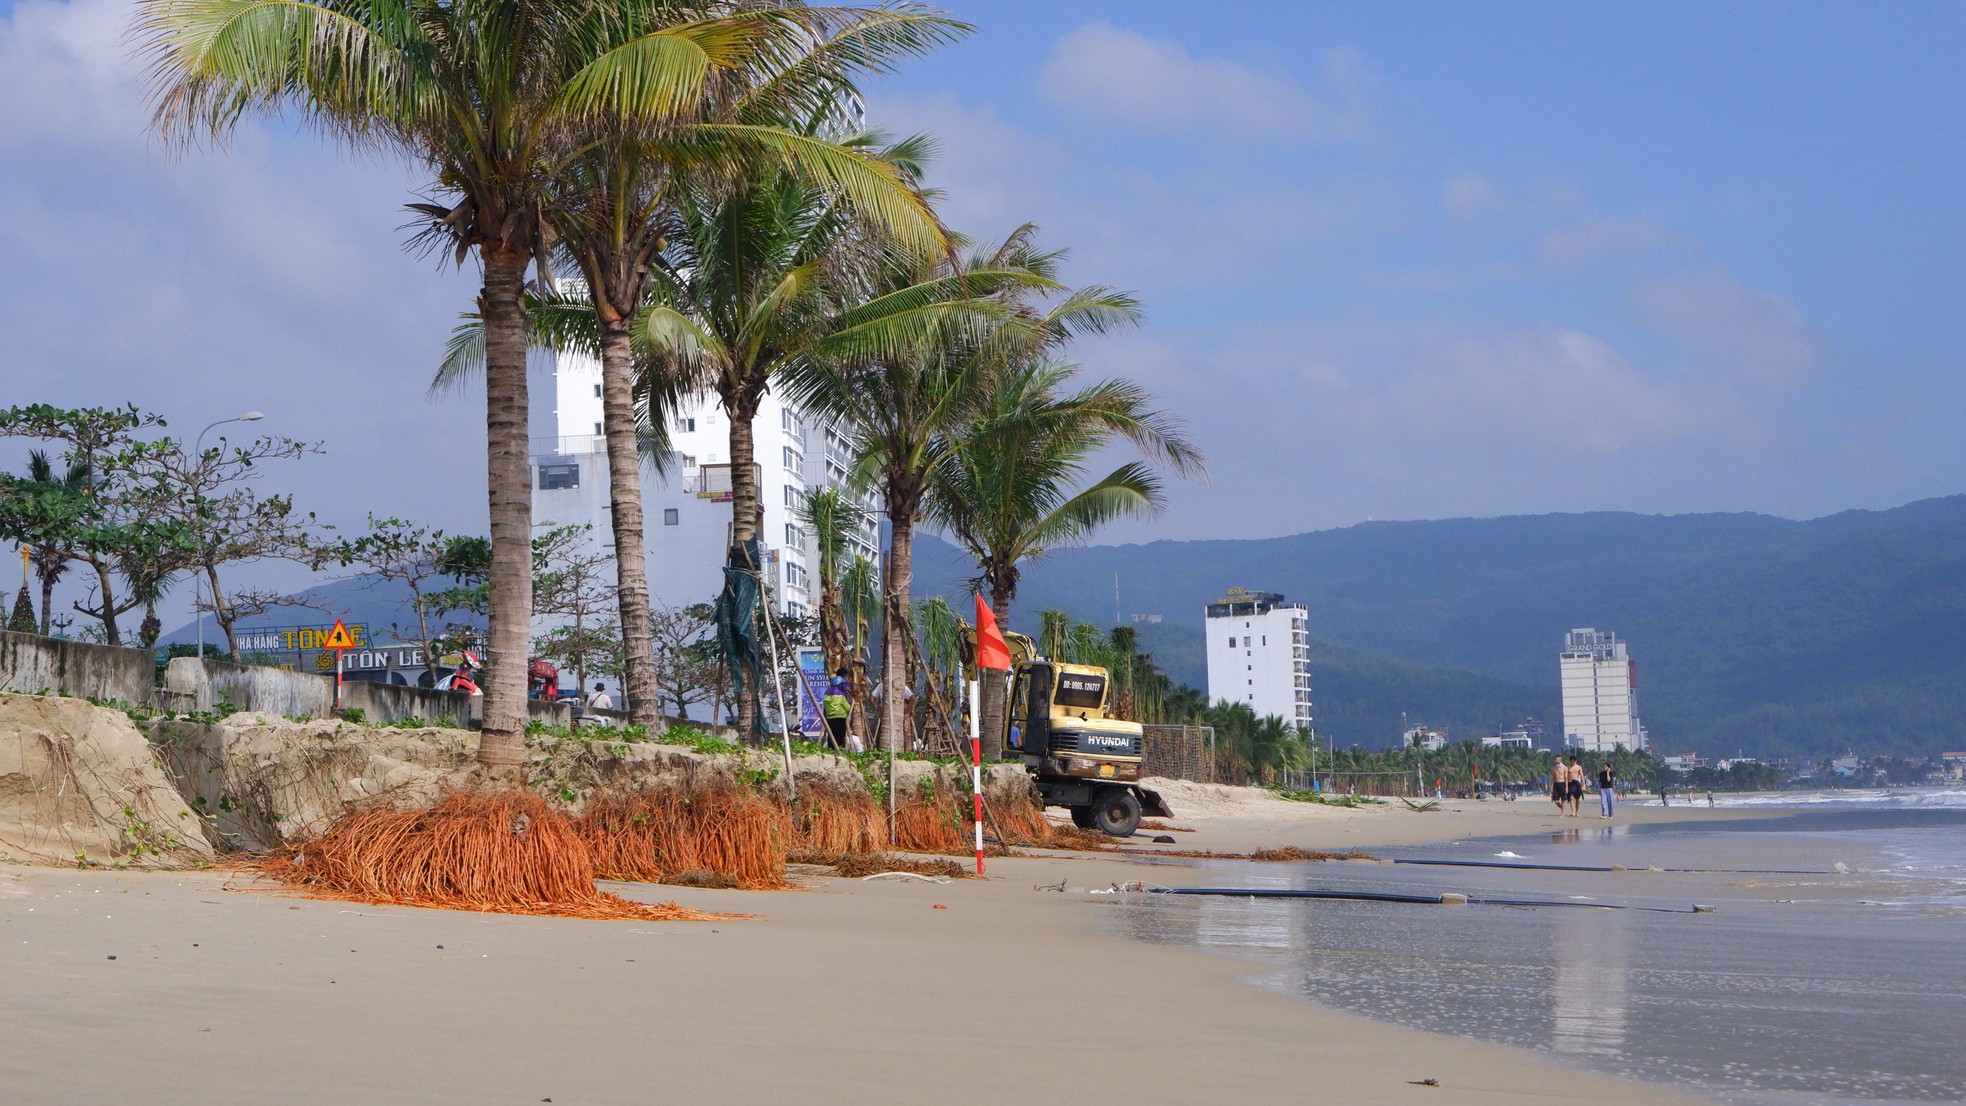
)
(1055, 719)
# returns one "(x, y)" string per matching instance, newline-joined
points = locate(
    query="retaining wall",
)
(31, 663)
(192, 684)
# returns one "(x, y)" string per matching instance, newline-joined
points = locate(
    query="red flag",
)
(991, 651)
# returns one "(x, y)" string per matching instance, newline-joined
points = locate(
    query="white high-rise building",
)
(1600, 692)
(1259, 653)
(687, 508)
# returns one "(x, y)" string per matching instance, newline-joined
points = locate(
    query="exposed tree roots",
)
(503, 851)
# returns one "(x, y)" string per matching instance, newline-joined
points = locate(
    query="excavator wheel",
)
(1082, 817)
(1116, 812)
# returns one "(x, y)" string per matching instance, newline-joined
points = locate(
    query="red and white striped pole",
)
(976, 761)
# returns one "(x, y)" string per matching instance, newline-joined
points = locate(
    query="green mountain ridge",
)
(1751, 633)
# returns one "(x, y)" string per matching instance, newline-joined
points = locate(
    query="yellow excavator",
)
(1055, 719)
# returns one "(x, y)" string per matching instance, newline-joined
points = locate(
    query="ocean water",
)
(1833, 970)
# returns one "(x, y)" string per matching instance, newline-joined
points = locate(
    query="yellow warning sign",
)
(339, 637)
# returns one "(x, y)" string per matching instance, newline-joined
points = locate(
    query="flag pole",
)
(976, 761)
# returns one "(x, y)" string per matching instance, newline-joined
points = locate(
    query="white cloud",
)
(1725, 322)
(1466, 194)
(1109, 74)
(1555, 386)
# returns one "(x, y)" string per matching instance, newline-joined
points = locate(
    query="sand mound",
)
(80, 783)
(1188, 799)
(262, 780)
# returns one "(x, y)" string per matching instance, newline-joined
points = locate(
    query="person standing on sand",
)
(1575, 792)
(836, 707)
(1559, 784)
(1607, 780)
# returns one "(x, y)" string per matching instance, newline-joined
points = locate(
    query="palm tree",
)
(907, 397)
(490, 96)
(749, 289)
(614, 203)
(1009, 495)
(832, 517)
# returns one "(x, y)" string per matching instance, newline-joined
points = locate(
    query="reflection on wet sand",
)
(1589, 989)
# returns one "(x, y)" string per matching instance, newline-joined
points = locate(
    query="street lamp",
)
(197, 582)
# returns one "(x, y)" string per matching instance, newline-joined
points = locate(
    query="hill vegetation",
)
(1751, 633)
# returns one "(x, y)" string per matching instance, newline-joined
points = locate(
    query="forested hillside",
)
(1751, 632)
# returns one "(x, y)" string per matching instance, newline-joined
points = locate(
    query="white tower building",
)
(1259, 654)
(687, 508)
(1600, 693)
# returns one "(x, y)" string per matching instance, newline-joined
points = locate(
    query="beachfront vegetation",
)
(509, 105)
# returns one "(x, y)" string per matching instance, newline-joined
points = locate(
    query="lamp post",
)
(197, 582)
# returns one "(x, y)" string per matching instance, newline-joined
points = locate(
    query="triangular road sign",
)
(339, 637)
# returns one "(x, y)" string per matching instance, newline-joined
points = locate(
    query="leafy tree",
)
(208, 500)
(394, 549)
(105, 512)
(572, 583)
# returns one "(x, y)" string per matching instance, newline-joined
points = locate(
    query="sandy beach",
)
(168, 988)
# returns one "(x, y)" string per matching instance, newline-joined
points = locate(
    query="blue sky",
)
(1399, 260)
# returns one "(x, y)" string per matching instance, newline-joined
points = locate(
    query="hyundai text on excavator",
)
(1079, 758)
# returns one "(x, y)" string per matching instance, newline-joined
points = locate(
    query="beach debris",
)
(1423, 808)
(905, 875)
(939, 906)
(1702, 908)
(1163, 839)
(1424, 1082)
(1453, 898)
(1059, 886)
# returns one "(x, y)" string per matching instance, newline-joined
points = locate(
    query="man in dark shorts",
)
(1575, 792)
(1559, 784)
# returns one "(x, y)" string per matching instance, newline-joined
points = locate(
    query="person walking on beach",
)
(1559, 785)
(1606, 781)
(1575, 792)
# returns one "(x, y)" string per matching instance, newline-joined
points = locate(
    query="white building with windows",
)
(687, 506)
(1259, 653)
(1600, 692)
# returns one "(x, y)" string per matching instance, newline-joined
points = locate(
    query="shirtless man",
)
(1575, 791)
(1559, 785)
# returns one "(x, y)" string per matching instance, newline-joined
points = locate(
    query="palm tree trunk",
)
(625, 498)
(742, 408)
(508, 474)
(895, 628)
(996, 690)
(47, 601)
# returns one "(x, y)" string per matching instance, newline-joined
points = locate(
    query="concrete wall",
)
(191, 684)
(31, 663)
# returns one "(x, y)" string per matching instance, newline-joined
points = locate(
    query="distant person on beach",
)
(1607, 781)
(1709, 797)
(600, 700)
(1575, 792)
(1559, 784)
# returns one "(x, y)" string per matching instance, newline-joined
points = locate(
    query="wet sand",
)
(861, 992)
